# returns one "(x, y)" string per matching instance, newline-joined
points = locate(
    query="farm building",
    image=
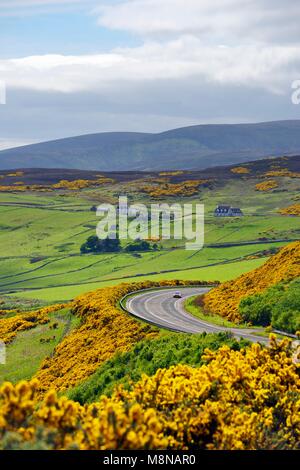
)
(228, 211)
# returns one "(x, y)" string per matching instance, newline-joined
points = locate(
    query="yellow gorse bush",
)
(9, 188)
(224, 300)
(238, 400)
(266, 185)
(240, 170)
(186, 188)
(291, 210)
(15, 174)
(171, 173)
(63, 184)
(81, 184)
(283, 172)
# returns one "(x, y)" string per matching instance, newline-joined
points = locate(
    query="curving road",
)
(160, 307)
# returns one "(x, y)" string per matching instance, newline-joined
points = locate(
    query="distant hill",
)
(196, 147)
(257, 169)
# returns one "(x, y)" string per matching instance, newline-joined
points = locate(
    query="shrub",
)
(139, 245)
(266, 185)
(278, 306)
(240, 170)
(291, 210)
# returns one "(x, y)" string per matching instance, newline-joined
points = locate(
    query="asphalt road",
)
(161, 308)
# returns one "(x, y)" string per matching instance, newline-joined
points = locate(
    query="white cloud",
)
(199, 41)
(215, 20)
(267, 67)
(199, 61)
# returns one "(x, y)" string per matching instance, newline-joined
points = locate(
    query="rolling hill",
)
(195, 147)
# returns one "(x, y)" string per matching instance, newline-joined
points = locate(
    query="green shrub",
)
(147, 357)
(278, 306)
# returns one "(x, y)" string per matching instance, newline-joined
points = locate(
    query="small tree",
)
(92, 245)
(138, 245)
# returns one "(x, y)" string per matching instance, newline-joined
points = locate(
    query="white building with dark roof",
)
(228, 211)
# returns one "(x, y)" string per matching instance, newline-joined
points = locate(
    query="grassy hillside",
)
(284, 266)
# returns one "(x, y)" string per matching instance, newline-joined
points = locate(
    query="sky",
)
(75, 67)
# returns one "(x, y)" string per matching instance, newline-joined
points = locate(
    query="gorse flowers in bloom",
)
(291, 210)
(237, 400)
(240, 170)
(73, 185)
(171, 173)
(266, 185)
(285, 172)
(81, 184)
(185, 188)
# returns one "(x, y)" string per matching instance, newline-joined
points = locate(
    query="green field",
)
(41, 235)
(222, 272)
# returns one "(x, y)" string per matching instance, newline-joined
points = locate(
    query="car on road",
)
(177, 295)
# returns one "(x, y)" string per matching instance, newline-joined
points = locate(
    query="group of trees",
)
(95, 245)
(108, 245)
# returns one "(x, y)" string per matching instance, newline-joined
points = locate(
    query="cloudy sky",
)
(80, 66)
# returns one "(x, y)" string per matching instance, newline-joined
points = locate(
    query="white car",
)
(177, 295)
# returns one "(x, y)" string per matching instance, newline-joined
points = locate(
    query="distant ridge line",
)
(190, 148)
